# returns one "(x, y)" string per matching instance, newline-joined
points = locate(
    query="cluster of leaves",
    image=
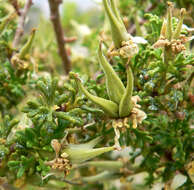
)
(10, 85)
(46, 118)
(169, 109)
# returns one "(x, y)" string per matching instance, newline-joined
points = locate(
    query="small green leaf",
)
(20, 172)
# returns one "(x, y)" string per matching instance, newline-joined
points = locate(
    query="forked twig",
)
(20, 28)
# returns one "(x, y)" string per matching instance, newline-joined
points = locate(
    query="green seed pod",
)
(114, 85)
(26, 48)
(113, 5)
(126, 105)
(169, 21)
(108, 106)
(118, 30)
(79, 155)
(179, 25)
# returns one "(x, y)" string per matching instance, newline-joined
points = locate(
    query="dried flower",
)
(61, 164)
(170, 39)
(56, 146)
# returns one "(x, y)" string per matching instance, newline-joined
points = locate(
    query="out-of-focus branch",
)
(20, 28)
(55, 19)
(70, 39)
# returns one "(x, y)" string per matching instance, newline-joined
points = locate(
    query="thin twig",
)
(74, 182)
(20, 28)
(70, 39)
(55, 19)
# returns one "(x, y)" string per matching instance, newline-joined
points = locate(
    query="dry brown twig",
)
(20, 28)
(55, 19)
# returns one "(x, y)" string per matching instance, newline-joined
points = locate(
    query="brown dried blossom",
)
(136, 116)
(61, 164)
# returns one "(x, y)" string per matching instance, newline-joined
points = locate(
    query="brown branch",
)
(55, 19)
(20, 28)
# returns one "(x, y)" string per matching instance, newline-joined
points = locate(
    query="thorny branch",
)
(55, 19)
(20, 28)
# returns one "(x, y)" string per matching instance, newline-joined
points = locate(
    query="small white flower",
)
(139, 40)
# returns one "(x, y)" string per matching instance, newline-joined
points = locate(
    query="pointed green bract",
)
(114, 85)
(26, 48)
(88, 145)
(108, 106)
(125, 105)
(179, 25)
(118, 30)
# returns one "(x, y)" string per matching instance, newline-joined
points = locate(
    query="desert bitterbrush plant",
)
(121, 119)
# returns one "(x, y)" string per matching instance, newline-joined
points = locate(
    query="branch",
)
(55, 19)
(20, 28)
